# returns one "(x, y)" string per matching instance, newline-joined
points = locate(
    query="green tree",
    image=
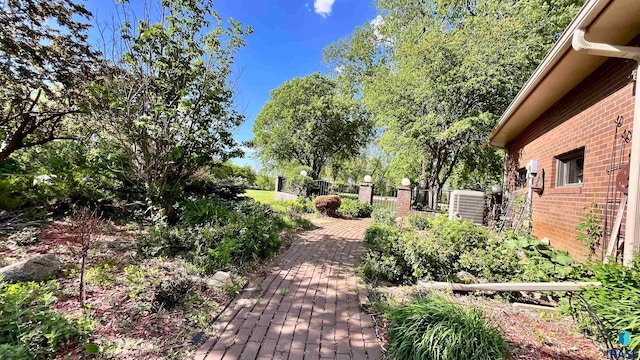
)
(230, 170)
(437, 74)
(308, 120)
(168, 101)
(45, 64)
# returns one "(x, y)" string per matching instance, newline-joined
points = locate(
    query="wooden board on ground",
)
(543, 286)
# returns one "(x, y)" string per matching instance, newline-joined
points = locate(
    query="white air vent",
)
(467, 205)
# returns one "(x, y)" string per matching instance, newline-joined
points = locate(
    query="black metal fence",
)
(385, 197)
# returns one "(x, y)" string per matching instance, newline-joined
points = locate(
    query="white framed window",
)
(570, 168)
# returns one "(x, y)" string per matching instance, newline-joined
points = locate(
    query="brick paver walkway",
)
(306, 308)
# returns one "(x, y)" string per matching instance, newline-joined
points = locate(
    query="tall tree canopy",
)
(310, 121)
(436, 75)
(168, 102)
(45, 64)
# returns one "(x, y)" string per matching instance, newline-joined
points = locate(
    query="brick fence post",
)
(365, 193)
(403, 202)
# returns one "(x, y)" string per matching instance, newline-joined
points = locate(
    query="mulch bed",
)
(121, 302)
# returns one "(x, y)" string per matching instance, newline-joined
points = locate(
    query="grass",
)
(435, 328)
(262, 196)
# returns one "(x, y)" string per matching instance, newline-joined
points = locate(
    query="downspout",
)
(632, 231)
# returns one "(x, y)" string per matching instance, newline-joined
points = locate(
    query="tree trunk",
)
(83, 293)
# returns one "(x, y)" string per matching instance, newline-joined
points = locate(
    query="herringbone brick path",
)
(306, 308)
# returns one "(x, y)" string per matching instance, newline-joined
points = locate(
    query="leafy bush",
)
(228, 189)
(327, 205)
(205, 210)
(436, 328)
(219, 236)
(540, 262)
(418, 222)
(383, 216)
(255, 232)
(615, 302)
(64, 171)
(29, 327)
(446, 247)
(302, 205)
(355, 208)
(171, 292)
(386, 262)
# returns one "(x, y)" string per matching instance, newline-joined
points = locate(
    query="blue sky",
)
(287, 42)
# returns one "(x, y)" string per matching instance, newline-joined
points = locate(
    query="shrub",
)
(165, 240)
(247, 231)
(171, 292)
(327, 205)
(256, 232)
(615, 302)
(383, 216)
(206, 210)
(540, 262)
(29, 327)
(436, 328)
(418, 222)
(355, 208)
(302, 205)
(228, 189)
(385, 260)
(447, 247)
(382, 237)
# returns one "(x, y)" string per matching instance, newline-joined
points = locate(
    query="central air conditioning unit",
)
(467, 205)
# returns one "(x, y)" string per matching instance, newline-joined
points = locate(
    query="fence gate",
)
(385, 198)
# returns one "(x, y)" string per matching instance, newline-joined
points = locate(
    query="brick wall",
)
(583, 118)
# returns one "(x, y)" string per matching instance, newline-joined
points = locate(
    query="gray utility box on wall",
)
(467, 205)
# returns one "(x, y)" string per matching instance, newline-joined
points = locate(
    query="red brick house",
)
(564, 117)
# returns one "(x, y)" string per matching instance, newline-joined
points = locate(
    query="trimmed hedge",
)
(327, 205)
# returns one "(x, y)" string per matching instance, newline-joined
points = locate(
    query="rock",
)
(37, 268)
(220, 279)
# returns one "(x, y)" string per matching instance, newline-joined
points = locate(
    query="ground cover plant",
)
(29, 327)
(435, 328)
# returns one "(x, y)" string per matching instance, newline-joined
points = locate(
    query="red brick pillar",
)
(403, 202)
(365, 193)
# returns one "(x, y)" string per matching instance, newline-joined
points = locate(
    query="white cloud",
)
(339, 69)
(247, 149)
(323, 7)
(376, 23)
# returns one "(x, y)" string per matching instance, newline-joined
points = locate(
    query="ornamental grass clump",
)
(435, 328)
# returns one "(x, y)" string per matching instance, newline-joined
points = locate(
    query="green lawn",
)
(263, 196)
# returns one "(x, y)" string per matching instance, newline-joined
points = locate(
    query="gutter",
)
(632, 238)
(585, 17)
